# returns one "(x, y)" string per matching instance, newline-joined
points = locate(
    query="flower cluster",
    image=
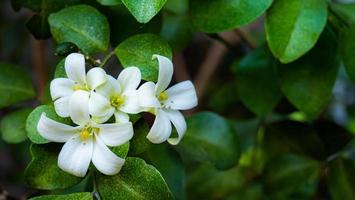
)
(91, 99)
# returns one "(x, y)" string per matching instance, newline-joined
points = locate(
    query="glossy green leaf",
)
(290, 174)
(340, 179)
(293, 27)
(82, 25)
(206, 182)
(257, 83)
(144, 10)
(308, 82)
(169, 164)
(74, 196)
(15, 85)
(138, 51)
(139, 142)
(136, 180)
(210, 137)
(43, 171)
(12, 126)
(347, 49)
(220, 15)
(122, 150)
(60, 70)
(33, 118)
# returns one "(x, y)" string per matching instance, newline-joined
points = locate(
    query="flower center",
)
(80, 87)
(163, 96)
(86, 133)
(117, 101)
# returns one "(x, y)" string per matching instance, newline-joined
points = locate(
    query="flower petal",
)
(129, 78)
(61, 87)
(165, 73)
(110, 88)
(179, 122)
(115, 134)
(55, 131)
(61, 106)
(146, 96)
(75, 67)
(100, 106)
(161, 128)
(79, 107)
(121, 117)
(105, 160)
(76, 155)
(131, 102)
(182, 96)
(96, 77)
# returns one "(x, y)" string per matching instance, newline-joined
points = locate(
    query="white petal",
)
(55, 131)
(165, 73)
(110, 88)
(121, 117)
(75, 67)
(76, 155)
(61, 87)
(61, 106)
(79, 107)
(161, 128)
(182, 96)
(179, 122)
(105, 160)
(96, 77)
(146, 95)
(104, 118)
(99, 105)
(131, 102)
(129, 78)
(115, 134)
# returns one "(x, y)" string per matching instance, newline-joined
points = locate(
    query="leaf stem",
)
(95, 191)
(107, 58)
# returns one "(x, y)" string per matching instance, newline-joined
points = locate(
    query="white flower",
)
(87, 141)
(165, 103)
(116, 97)
(62, 89)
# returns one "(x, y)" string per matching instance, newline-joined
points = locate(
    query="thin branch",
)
(39, 65)
(95, 191)
(107, 58)
(250, 42)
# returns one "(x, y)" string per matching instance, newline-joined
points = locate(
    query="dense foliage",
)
(274, 78)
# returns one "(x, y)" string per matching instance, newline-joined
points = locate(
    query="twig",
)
(95, 191)
(246, 38)
(107, 58)
(39, 64)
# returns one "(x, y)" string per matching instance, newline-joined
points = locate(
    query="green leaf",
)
(60, 70)
(74, 196)
(139, 142)
(345, 11)
(33, 118)
(65, 48)
(257, 83)
(209, 137)
(220, 15)
(12, 126)
(43, 171)
(15, 85)
(122, 150)
(340, 179)
(293, 27)
(138, 51)
(136, 180)
(169, 164)
(82, 25)
(177, 6)
(347, 49)
(308, 82)
(291, 174)
(144, 10)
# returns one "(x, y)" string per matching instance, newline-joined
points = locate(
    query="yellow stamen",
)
(117, 101)
(163, 96)
(79, 87)
(85, 134)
